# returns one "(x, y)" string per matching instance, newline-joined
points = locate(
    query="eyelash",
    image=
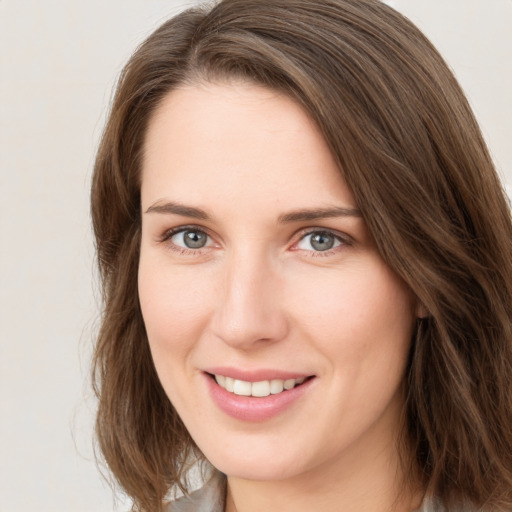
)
(166, 237)
(342, 240)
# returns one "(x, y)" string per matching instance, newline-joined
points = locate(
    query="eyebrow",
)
(178, 209)
(302, 215)
(318, 213)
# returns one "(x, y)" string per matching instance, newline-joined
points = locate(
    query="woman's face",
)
(257, 267)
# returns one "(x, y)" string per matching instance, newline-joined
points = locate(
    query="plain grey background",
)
(59, 60)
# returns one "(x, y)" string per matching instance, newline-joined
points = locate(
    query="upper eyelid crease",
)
(301, 233)
(165, 238)
(180, 229)
(344, 238)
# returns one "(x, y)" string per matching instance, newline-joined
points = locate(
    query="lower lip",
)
(255, 409)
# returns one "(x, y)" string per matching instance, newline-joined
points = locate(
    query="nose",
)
(249, 310)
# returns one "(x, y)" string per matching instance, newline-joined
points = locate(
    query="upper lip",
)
(255, 375)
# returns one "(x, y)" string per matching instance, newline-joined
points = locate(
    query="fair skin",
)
(256, 265)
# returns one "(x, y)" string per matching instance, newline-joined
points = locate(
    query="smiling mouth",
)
(258, 389)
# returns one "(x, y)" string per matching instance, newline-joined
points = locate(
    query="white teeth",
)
(289, 384)
(257, 389)
(276, 386)
(240, 387)
(228, 385)
(260, 388)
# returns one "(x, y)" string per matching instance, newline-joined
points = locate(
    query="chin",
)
(246, 470)
(258, 465)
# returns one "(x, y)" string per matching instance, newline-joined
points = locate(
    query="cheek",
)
(175, 306)
(363, 317)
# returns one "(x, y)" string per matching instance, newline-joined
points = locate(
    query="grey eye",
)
(190, 238)
(319, 241)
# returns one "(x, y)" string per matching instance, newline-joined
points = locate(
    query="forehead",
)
(220, 141)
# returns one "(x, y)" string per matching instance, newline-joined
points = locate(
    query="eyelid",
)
(345, 239)
(169, 233)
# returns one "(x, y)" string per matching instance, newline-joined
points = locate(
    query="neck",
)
(375, 484)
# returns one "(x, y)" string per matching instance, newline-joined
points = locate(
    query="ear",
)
(421, 310)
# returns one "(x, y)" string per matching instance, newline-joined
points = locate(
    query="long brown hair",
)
(410, 150)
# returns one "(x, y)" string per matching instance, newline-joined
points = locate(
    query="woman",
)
(306, 260)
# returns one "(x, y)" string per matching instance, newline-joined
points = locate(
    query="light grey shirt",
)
(211, 498)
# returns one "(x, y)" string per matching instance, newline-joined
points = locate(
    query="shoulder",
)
(208, 498)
